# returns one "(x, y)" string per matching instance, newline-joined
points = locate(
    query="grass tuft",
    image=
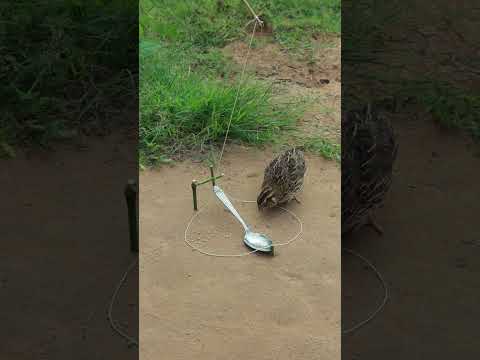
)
(182, 111)
(323, 147)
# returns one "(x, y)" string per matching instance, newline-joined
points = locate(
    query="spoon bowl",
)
(253, 240)
(258, 242)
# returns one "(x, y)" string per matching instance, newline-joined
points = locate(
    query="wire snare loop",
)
(296, 236)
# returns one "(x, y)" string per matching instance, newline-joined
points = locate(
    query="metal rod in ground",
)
(131, 195)
(213, 176)
(194, 193)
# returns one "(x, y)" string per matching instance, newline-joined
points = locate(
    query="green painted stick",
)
(131, 197)
(195, 184)
(212, 175)
(210, 179)
(194, 192)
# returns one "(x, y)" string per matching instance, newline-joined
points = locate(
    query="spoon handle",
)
(224, 199)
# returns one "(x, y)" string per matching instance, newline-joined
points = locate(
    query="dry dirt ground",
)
(316, 78)
(64, 247)
(194, 306)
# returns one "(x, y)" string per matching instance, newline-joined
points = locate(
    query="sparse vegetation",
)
(328, 149)
(214, 23)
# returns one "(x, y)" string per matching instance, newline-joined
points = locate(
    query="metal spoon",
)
(252, 239)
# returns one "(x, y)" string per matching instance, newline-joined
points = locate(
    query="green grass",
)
(205, 23)
(323, 147)
(181, 110)
(453, 108)
(187, 86)
(64, 67)
(295, 22)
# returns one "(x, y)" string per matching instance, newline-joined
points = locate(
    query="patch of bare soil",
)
(194, 306)
(317, 78)
(64, 248)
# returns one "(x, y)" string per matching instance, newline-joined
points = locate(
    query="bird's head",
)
(267, 199)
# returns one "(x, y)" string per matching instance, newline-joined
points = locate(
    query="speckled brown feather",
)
(369, 150)
(283, 179)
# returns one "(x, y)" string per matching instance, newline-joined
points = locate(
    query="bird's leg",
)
(371, 222)
(295, 198)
